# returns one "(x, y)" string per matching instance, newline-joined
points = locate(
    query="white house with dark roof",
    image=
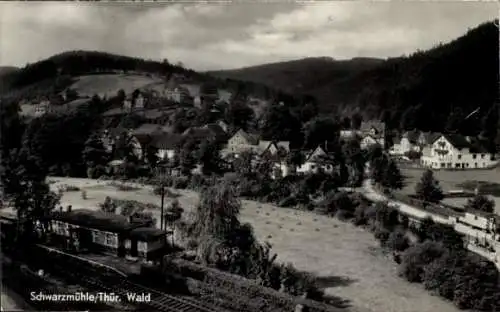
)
(166, 144)
(454, 151)
(317, 160)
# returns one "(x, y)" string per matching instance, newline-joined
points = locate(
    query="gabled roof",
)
(430, 137)
(217, 130)
(316, 154)
(114, 112)
(251, 138)
(147, 234)
(368, 125)
(167, 141)
(147, 129)
(98, 220)
(457, 140)
(284, 145)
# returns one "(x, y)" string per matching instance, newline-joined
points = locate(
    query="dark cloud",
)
(210, 36)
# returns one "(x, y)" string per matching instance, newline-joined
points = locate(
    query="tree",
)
(481, 203)
(208, 155)
(238, 115)
(392, 177)
(243, 164)
(278, 123)
(94, 152)
(23, 179)
(217, 213)
(428, 188)
(173, 213)
(356, 121)
(151, 155)
(124, 149)
(355, 161)
(490, 126)
(187, 156)
(346, 123)
(321, 130)
(417, 257)
(108, 206)
(455, 121)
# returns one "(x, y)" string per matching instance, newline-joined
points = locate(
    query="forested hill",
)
(423, 89)
(304, 74)
(55, 73)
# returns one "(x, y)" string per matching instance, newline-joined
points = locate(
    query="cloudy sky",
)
(216, 36)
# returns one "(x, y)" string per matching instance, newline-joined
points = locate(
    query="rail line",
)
(113, 282)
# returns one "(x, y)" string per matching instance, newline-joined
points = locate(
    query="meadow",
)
(348, 259)
(456, 180)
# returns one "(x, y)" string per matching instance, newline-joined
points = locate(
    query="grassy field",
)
(109, 84)
(348, 259)
(452, 180)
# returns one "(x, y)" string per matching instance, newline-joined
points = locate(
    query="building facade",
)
(456, 152)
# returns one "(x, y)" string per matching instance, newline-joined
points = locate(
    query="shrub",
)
(382, 234)
(417, 257)
(360, 217)
(255, 297)
(398, 241)
(180, 183)
(123, 187)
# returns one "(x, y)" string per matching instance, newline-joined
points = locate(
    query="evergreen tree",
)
(94, 152)
(392, 177)
(428, 189)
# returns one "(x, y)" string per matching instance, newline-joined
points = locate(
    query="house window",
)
(457, 165)
(442, 165)
(111, 240)
(474, 156)
(459, 157)
(142, 247)
(482, 156)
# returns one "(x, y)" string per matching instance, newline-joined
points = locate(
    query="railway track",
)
(111, 282)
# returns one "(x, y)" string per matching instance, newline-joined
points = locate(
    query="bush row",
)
(255, 296)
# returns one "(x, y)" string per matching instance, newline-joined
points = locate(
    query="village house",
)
(454, 151)
(241, 142)
(371, 133)
(167, 145)
(410, 141)
(177, 94)
(317, 160)
(414, 140)
(108, 232)
(276, 152)
(143, 135)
